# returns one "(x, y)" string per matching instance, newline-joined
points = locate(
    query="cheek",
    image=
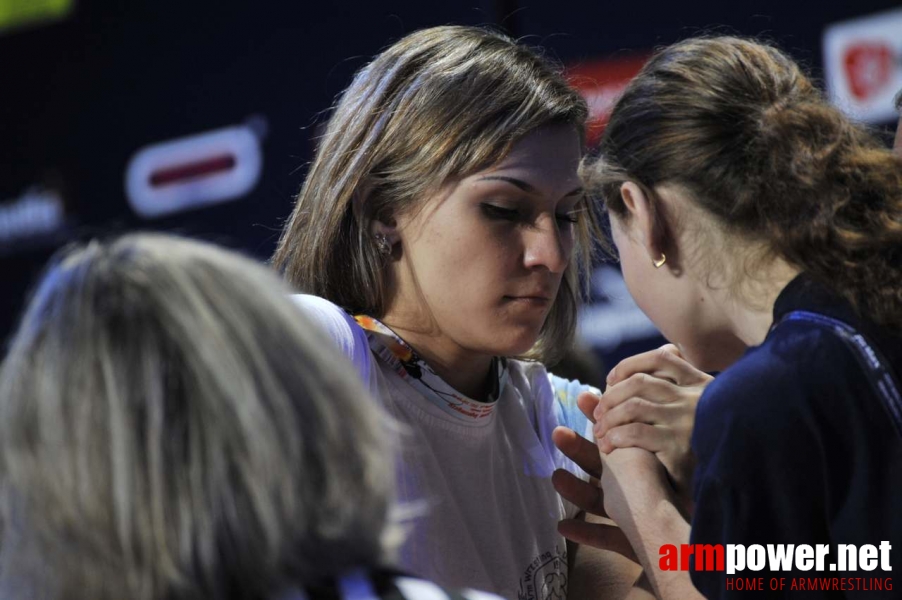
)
(657, 301)
(461, 269)
(658, 294)
(634, 274)
(690, 322)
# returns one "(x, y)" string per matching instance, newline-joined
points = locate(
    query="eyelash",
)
(511, 214)
(571, 217)
(500, 213)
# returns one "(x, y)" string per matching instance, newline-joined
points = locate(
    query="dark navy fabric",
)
(794, 446)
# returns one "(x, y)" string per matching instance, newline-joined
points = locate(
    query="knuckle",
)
(602, 424)
(637, 407)
(632, 432)
(628, 409)
(605, 404)
(623, 435)
(638, 381)
(666, 352)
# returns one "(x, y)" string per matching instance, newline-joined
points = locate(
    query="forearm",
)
(599, 573)
(641, 590)
(657, 524)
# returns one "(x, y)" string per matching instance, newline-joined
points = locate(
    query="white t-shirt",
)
(480, 471)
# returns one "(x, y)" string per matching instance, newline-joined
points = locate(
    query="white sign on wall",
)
(863, 65)
(195, 171)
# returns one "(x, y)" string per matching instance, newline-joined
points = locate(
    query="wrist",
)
(666, 525)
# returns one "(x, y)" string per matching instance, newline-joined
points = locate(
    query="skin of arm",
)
(639, 498)
(597, 572)
(655, 498)
(636, 494)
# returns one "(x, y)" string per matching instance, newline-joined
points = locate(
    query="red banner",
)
(601, 82)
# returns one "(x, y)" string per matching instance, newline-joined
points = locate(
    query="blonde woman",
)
(441, 234)
(172, 428)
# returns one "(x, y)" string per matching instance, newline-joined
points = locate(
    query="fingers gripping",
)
(578, 449)
(586, 496)
(665, 362)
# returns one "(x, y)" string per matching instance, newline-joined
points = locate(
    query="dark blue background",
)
(80, 96)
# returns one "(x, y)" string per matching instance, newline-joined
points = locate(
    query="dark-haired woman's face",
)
(482, 262)
(675, 296)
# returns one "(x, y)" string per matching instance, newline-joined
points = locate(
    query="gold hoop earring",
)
(660, 262)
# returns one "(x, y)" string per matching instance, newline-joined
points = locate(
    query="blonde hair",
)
(439, 104)
(172, 426)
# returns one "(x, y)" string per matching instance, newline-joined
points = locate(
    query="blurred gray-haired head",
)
(171, 426)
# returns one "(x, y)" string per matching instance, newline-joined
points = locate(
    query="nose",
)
(545, 246)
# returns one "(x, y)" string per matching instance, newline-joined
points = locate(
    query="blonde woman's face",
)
(481, 263)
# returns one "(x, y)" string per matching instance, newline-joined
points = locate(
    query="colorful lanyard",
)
(875, 367)
(405, 362)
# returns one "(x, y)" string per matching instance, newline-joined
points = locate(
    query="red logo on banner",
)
(868, 68)
(601, 83)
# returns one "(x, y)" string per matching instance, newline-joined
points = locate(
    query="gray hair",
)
(172, 427)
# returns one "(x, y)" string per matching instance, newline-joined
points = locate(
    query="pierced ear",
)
(389, 230)
(359, 200)
(643, 210)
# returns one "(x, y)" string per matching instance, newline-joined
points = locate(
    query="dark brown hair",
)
(737, 125)
(439, 104)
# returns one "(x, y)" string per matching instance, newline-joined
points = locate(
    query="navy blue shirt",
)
(795, 447)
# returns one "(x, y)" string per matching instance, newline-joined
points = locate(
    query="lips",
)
(539, 293)
(537, 301)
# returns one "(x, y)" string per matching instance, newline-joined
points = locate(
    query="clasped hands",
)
(641, 455)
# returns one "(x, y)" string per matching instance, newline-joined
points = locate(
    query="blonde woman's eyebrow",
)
(524, 185)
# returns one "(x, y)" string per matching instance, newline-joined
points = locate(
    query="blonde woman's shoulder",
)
(340, 327)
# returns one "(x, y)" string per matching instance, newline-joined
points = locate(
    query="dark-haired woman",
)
(745, 207)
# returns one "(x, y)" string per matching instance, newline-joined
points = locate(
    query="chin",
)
(514, 343)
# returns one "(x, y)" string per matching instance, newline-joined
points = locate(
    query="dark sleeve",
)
(760, 476)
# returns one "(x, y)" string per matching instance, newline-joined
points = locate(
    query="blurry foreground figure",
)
(172, 427)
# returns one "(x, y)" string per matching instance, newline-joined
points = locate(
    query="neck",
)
(751, 312)
(466, 371)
